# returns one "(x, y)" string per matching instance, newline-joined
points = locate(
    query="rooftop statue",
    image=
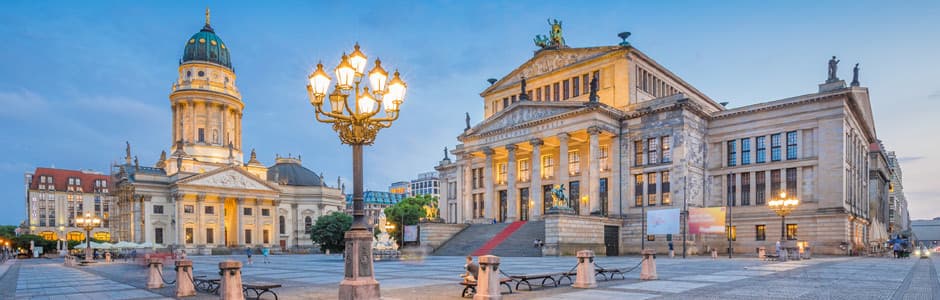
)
(554, 40)
(833, 67)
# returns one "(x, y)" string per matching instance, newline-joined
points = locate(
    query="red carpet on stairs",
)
(498, 239)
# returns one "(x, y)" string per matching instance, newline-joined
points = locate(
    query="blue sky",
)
(79, 78)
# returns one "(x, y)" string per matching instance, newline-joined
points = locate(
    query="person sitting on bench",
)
(473, 270)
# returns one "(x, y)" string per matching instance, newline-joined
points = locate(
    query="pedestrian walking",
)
(672, 253)
(897, 250)
(248, 252)
(265, 252)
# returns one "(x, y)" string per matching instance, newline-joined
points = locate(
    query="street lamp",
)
(783, 207)
(357, 125)
(88, 222)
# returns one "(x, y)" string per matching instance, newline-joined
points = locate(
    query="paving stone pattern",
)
(436, 277)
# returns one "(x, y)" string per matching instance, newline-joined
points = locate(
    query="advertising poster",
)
(707, 220)
(662, 221)
(411, 233)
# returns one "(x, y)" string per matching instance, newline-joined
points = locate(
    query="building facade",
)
(374, 204)
(427, 183)
(898, 215)
(203, 195)
(55, 197)
(400, 187)
(624, 135)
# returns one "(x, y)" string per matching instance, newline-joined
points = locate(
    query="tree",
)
(329, 231)
(410, 210)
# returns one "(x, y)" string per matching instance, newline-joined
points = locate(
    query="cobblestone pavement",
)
(317, 276)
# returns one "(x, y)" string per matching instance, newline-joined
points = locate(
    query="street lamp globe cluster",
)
(357, 123)
(88, 222)
(783, 206)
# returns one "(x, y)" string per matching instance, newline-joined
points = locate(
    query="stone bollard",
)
(184, 278)
(648, 270)
(585, 277)
(107, 257)
(154, 279)
(231, 285)
(488, 282)
(761, 252)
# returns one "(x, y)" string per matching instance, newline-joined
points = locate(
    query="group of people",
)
(537, 243)
(265, 252)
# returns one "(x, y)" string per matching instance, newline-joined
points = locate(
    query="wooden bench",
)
(771, 257)
(567, 275)
(609, 274)
(260, 288)
(546, 277)
(470, 287)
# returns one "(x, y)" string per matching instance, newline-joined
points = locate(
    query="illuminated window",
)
(605, 158)
(791, 232)
(264, 237)
(574, 162)
(732, 232)
(651, 189)
(653, 151)
(761, 232)
(548, 166)
(667, 197)
(189, 235)
(638, 189)
(651, 238)
(666, 147)
(523, 170)
(501, 173)
(638, 153)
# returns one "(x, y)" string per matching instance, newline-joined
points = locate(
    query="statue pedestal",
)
(831, 86)
(560, 210)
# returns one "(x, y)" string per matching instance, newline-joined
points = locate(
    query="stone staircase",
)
(518, 244)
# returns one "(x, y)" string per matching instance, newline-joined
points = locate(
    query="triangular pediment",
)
(547, 61)
(230, 178)
(524, 112)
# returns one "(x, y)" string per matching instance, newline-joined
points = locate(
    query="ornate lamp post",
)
(783, 207)
(88, 222)
(357, 125)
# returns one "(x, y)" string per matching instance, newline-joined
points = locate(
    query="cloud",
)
(21, 104)
(907, 159)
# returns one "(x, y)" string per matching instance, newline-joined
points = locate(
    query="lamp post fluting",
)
(357, 124)
(783, 207)
(88, 222)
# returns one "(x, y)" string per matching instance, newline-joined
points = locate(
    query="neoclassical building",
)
(56, 197)
(624, 135)
(203, 195)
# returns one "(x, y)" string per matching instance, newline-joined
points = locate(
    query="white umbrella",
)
(125, 245)
(79, 246)
(145, 245)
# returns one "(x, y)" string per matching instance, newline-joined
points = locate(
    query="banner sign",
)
(663, 221)
(411, 233)
(707, 220)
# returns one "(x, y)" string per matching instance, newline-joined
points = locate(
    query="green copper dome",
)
(205, 46)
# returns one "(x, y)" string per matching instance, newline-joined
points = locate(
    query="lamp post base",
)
(359, 281)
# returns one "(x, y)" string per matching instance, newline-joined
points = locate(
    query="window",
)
(477, 178)
(732, 232)
(732, 189)
(746, 151)
(651, 189)
(501, 173)
(761, 149)
(246, 211)
(666, 145)
(575, 86)
(265, 212)
(538, 94)
(652, 150)
(209, 210)
(638, 189)
(281, 225)
(651, 238)
(732, 153)
(308, 224)
(746, 189)
(565, 89)
(264, 237)
(761, 188)
(638, 150)
(760, 232)
(667, 197)
(523, 172)
(605, 158)
(158, 209)
(791, 182)
(597, 75)
(791, 145)
(188, 209)
(556, 93)
(158, 235)
(512, 99)
(791, 232)
(602, 189)
(774, 182)
(189, 235)
(202, 135)
(210, 236)
(574, 196)
(548, 93)
(775, 147)
(574, 162)
(247, 236)
(548, 166)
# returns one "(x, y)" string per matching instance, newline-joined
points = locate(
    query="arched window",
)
(308, 224)
(281, 227)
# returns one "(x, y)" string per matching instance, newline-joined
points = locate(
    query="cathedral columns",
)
(489, 201)
(240, 230)
(512, 201)
(535, 188)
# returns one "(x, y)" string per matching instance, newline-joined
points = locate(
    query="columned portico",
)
(489, 207)
(562, 168)
(593, 171)
(535, 188)
(512, 210)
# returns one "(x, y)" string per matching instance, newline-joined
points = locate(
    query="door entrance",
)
(612, 240)
(502, 206)
(283, 245)
(524, 204)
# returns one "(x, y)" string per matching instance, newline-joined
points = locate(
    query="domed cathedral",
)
(203, 195)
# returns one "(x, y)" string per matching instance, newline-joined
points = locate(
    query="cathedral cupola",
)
(206, 46)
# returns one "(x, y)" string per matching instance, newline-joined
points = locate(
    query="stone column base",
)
(359, 282)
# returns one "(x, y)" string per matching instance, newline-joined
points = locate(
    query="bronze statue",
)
(855, 75)
(833, 67)
(522, 94)
(554, 40)
(559, 199)
(468, 122)
(445, 154)
(593, 95)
